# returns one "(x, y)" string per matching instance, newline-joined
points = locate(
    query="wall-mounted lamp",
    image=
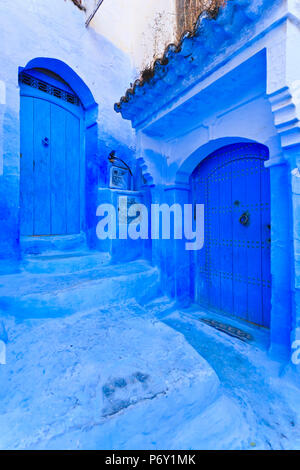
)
(112, 158)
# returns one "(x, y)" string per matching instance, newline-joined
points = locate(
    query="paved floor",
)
(269, 402)
(112, 377)
(129, 376)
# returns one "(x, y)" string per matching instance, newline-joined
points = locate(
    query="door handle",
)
(245, 219)
(46, 141)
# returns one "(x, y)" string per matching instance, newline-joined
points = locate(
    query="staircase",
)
(58, 283)
(98, 369)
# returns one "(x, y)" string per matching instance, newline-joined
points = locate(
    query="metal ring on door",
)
(245, 219)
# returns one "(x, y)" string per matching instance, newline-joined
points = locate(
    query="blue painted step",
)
(65, 262)
(28, 295)
(40, 244)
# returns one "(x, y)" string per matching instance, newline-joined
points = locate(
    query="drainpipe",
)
(99, 3)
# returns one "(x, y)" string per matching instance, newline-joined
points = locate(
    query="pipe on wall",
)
(99, 3)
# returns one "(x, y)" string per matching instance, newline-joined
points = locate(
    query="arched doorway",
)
(232, 271)
(52, 155)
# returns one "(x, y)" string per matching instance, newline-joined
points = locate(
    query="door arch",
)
(232, 271)
(52, 155)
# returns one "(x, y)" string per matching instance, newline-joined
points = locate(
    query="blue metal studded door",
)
(232, 271)
(50, 170)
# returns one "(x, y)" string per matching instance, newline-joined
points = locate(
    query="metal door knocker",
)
(245, 219)
(45, 142)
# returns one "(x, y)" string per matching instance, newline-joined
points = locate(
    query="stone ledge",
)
(183, 64)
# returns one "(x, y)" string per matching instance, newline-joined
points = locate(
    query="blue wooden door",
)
(232, 271)
(50, 171)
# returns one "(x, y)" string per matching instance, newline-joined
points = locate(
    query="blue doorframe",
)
(52, 169)
(90, 132)
(232, 271)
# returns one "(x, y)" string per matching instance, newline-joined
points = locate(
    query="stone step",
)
(112, 377)
(161, 306)
(40, 244)
(65, 262)
(27, 295)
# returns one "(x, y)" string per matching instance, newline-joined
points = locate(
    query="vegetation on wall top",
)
(79, 4)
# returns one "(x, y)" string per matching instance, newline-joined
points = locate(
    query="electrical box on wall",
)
(119, 178)
(119, 173)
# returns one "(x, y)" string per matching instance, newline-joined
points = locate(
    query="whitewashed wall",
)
(141, 28)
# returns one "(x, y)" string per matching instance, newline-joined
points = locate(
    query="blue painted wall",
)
(94, 67)
(237, 90)
(235, 80)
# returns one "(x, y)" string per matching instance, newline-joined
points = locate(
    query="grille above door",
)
(52, 90)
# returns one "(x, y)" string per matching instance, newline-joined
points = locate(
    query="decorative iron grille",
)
(50, 89)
